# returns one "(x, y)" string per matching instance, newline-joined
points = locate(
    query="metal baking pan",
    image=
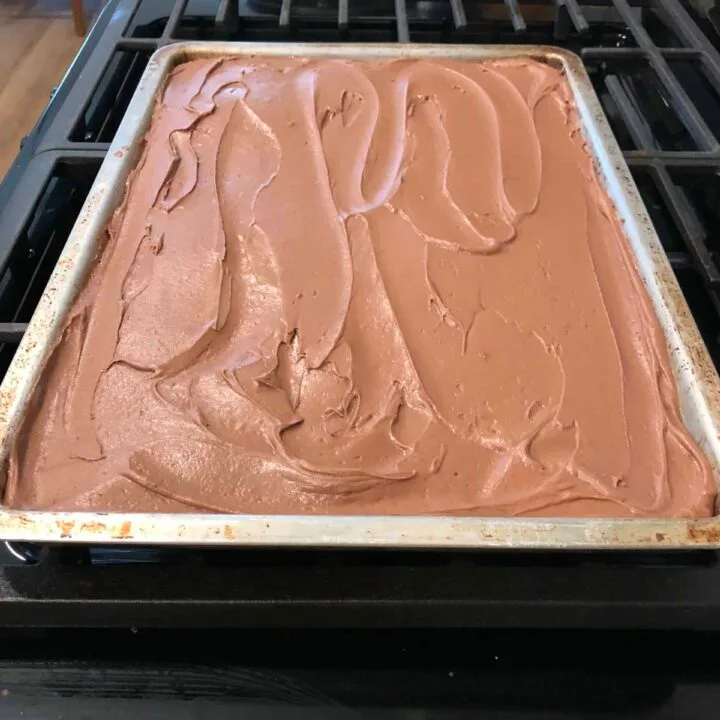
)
(697, 380)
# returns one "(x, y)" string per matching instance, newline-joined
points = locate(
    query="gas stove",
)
(656, 67)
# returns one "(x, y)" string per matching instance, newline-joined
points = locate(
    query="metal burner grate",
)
(658, 77)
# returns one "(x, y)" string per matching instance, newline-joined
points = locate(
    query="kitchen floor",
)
(37, 44)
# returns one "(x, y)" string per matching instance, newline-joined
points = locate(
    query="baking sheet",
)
(696, 377)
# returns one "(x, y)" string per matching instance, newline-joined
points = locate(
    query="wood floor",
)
(37, 43)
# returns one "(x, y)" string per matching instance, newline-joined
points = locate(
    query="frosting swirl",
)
(362, 287)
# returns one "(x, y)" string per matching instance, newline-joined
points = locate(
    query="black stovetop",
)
(658, 77)
(91, 632)
(389, 675)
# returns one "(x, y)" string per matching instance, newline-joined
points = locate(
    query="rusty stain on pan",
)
(704, 533)
(697, 380)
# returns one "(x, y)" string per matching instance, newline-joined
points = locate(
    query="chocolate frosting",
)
(362, 288)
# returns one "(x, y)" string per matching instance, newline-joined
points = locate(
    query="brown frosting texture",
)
(362, 288)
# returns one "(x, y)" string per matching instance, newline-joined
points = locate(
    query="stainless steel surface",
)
(694, 372)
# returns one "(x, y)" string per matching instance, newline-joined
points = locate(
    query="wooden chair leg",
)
(78, 13)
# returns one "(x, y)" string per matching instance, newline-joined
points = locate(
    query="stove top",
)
(655, 65)
(389, 675)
